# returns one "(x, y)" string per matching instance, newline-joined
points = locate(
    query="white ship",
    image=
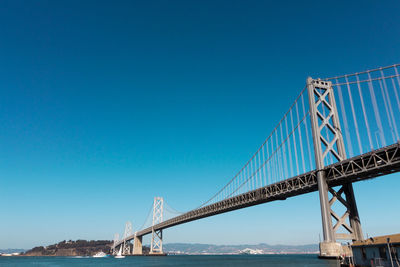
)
(249, 251)
(100, 254)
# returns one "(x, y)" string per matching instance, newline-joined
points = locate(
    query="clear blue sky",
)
(106, 104)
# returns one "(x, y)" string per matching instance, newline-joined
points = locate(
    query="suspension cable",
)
(147, 218)
(248, 162)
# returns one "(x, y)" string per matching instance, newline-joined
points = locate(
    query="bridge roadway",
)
(366, 166)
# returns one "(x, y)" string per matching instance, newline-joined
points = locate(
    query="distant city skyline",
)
(107, 105)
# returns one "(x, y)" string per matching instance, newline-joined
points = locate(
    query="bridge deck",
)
(366, 166)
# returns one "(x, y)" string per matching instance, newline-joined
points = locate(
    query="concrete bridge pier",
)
(137, 245)
(329, 248)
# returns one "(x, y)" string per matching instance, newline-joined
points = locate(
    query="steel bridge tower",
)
(116, 239)
(156, 235)
(328, 140)
(127, 245)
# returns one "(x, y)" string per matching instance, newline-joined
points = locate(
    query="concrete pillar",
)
(137, 246)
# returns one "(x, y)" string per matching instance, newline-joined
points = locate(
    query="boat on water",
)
(100, 254)
(119, 255)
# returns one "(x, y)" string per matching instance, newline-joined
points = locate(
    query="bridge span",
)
(283, 167)
(370, 165)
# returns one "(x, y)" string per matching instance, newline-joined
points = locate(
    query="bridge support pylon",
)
(329, 144)
(156, 235)
(137, 245)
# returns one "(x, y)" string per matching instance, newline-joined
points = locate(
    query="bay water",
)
(175, 260)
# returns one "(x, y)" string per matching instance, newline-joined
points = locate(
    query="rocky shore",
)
(72, 248)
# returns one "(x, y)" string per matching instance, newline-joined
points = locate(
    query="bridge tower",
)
(328, 140)
(116, 239)
(127, 246)
(156, 235)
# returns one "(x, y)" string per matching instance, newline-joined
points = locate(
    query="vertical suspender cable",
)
(235, 186)
(346, 124)
(390, 107)
(294, 143)
(223, 193)
(354, 115)
(284, 154)
(273, 166)
(226, 192)
(251, 176)
(278, 162)
(387, 110)
(275, 161)
(277, 155)
(255, 175)
(395, 93)
(229, 190)
(259, 171)
(243, 180)
(308, 140)
(238, 184)
(268, 168)
(397, 76)
(289, 148)
(255, 172)
(365, 113)
(301, 140)
(247, 178)
(242, 183)
(265, 175)
(376, 111)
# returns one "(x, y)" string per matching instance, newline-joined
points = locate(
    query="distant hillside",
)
(183, 248)
(72, 248)
(75, 248)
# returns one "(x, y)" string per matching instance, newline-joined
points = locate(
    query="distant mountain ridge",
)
(86, 248)
(185, 248)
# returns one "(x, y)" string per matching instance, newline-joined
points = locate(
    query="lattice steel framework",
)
(116, 241)
(156, 238)
(128, 232)
(328, 142)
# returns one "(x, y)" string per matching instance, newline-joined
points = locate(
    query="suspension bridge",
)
(338, 131)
